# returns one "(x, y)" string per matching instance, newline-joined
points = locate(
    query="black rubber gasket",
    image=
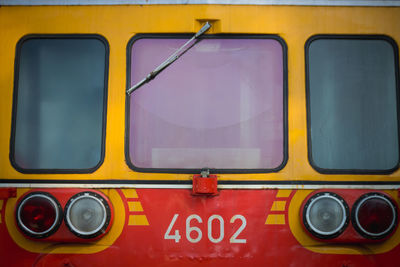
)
(103, 229)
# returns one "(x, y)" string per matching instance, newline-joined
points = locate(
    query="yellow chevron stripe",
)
(138, 220)
(283, 193)
(278, 205)
(135, 206)
(275, 219)
(130, 193)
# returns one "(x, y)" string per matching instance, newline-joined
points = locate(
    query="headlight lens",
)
(87, 214)
(325, 215)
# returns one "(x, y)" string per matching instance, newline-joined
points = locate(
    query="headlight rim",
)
(317, 233)
(57, 221)
(102, 229)
(355, 221)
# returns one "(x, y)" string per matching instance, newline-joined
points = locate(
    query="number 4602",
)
(190, 229)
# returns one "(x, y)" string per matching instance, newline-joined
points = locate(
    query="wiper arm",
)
(178, 53)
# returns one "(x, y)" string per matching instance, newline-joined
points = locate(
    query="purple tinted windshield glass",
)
(218, 106)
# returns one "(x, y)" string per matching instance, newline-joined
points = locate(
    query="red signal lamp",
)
(374, 216)
(39, 215)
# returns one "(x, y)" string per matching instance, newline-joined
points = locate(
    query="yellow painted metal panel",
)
(275, 219)
(278, 206)
(130, 193)
(118, 24)
(135, 206)
(283, 193)
(138, 220)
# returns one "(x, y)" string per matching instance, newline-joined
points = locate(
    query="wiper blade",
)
(178, 53)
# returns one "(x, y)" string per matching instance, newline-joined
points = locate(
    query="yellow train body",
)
(119, 23)
(145, 202)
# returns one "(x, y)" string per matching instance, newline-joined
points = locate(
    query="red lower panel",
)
(171, 227)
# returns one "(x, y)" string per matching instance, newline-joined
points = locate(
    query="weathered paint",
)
(273, 234)
(280, 241)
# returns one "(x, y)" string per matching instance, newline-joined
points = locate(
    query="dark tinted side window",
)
(352, 101)
(59, 104)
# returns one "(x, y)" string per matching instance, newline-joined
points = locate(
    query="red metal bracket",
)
(206, 186)
(8, 192)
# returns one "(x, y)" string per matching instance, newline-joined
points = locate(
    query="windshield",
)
(221, 105)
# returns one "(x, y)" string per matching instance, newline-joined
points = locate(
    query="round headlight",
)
(87, 214)
(325, 215)
(38, 214)
(374, 216)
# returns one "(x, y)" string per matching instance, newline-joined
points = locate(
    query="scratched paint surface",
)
(171, 227)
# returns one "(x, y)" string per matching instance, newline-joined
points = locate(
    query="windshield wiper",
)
(178, 53)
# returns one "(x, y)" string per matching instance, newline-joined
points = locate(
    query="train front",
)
(199, 133)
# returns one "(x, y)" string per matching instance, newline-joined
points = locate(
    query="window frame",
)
(208, 36)
(19, 45)
(308, 43)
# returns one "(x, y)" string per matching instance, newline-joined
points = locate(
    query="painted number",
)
(176, 236)
(194, 234)
(190, 229)
(241, 228)
(221, 229)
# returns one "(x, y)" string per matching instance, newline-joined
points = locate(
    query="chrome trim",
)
(313, 201)
(392, 225)
(25, 228)
(24, 184)
(70, 204)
